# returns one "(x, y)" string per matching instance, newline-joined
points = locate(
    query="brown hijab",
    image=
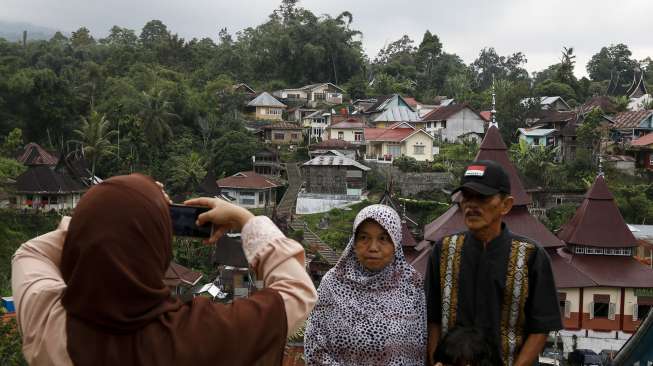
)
(119, 311)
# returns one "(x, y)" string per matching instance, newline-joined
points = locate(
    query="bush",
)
(10, 344)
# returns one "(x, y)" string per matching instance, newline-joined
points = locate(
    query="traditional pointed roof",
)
(518, 220)
(638, 86)
(34, 154)
(598, 222)
(493, 148)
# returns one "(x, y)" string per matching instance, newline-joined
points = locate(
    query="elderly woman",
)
(92, 292)
(371, 308)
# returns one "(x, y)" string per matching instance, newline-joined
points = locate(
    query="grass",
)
(340, 224)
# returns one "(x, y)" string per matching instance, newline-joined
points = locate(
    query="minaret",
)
(493, 112)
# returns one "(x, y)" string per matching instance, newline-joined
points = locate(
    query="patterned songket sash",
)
(449, 274)
(514, 300)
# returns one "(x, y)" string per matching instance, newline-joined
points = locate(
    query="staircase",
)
(287, 203)
(287, 207)
(314, 242)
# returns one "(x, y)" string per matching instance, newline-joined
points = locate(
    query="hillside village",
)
(311, 146)
(318, 152)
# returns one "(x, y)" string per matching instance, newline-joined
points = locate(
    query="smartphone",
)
(183, 221)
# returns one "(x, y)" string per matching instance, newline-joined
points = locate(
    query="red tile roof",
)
(630, 119)
(383, 134)
(643, 141)
(486, 115)
(598, 222)
(249, 180)
(350, 123)
(411, 101)
(34, 154)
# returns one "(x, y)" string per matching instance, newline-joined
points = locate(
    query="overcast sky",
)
(538, 28)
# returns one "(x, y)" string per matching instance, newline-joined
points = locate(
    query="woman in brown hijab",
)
(92, 292)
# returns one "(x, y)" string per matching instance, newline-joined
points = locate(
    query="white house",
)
(538, 136)
(313, 94)
(455, 122)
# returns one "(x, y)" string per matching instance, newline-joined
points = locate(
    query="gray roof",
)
(536, 132)
(397, 114)
(328, 160)
(265, 100)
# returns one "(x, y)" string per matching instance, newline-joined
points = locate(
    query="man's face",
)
(481, 212)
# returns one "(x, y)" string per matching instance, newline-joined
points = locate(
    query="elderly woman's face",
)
(373, 246)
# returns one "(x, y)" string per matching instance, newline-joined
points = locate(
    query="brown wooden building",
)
(335, 175)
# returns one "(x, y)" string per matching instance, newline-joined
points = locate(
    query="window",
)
(279, 136)
(358, 136)
(642, 311)
(53, 200)
(428, 124)
(443, 124)
(293, 96)
(294, 136)
(418, 150)
(536, 140)
(650, 159)
(274, 111)
(319, 96)
(601, 309)
(394, 150)
(341, 135)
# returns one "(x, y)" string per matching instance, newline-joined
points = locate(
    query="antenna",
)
(493, 112)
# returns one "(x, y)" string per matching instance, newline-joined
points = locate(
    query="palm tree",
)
(187, 171)
(95, 139)
(156, 116)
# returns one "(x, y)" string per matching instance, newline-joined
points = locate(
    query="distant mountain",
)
(13, 31)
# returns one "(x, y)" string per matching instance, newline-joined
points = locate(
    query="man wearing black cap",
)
(489, 278)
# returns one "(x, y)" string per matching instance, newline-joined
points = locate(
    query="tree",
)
(535, 162)
(95, 139)
(233, 152)
(555, 88)
(81, 38)
(12, 142)
(613, 61)
(156, 116)
(154, 33)
(490, 66)
(187, 171)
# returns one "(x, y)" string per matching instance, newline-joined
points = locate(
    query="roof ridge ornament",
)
(493, 112)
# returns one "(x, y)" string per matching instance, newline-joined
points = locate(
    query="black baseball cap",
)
(485, 177)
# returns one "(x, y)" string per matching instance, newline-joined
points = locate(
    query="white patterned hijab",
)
(369, 318)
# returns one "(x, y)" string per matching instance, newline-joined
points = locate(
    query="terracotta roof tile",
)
(350, 123)
(246, 180)
(383, 134)
(643, 141)
(630, 119)
(486, 115)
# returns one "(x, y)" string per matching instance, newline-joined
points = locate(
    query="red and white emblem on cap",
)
(475, 171)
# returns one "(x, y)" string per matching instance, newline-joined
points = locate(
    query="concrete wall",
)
(319, 203)
(411, 183)
(287, 136)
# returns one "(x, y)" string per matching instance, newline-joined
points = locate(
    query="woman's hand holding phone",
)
(223, 215)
